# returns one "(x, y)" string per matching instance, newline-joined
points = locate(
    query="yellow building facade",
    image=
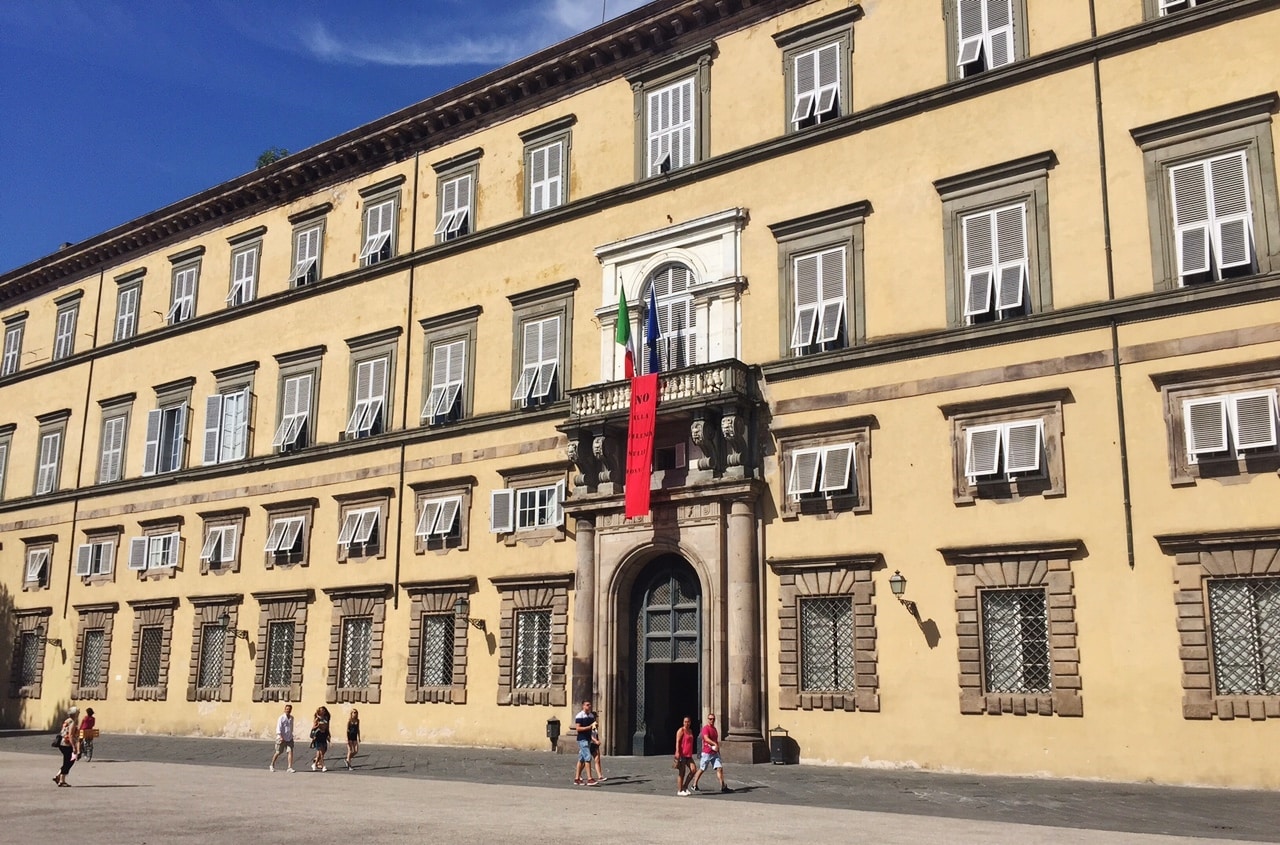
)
(966, 454)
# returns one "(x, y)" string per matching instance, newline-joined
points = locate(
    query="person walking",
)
(353, 735)
(710, 754)
(584, 723)
(284, 738)
(68, 744)
(320, 738)
(88, 733)
(684, 757)
(594, 745)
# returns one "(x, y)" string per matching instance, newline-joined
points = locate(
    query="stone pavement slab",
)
(534, 794)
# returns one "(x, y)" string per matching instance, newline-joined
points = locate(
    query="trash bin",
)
(779, 747)
(553, 732)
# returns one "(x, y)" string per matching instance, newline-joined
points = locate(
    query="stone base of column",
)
(735, 749)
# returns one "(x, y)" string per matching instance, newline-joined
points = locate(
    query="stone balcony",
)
(718, 383)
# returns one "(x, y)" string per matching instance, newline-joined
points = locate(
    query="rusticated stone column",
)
(584, 613)
(744, 739)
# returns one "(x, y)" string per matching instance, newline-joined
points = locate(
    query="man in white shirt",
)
(284, 737)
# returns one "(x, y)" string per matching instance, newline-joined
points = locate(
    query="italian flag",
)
(623, 335)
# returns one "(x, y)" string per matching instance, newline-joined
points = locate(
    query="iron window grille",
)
(151, 642)
(1244, 620)
(357, 640)
(91, 658)
(280, 637)
(826, 644)
(213, 639)
(533, 649)
(1015, 642)
(437, 650)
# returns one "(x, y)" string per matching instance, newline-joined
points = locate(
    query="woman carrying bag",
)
(68, 742)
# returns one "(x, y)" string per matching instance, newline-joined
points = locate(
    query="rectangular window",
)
(359, 536)
(50, 459)
(37, 571)
(367, 412)
(127, 311)
(986, 35)
(244, 276)
(527, 508)
(1167, 7)
(182, 306)
(213, 639)
(285, 537)
(819, 301)
(166, 440)
(150, 645)
(306, 256)
(157, 551)
(826, 644)
(357, 640)
(1004, 450)
(91, 658)
(1230, 424)
(439, 518)
(546, 176)
(12, 360)
(456, 197)
(448, 366)
(437, 650)
(280, 645)
(379, 227)
(1213, 218)
(220, 545)
(1244, 623)
(1015, 642)
(995, 264)
(95, 558)
(822, 471)
(671, 127)
(295, 400)
(533, 649)
(111, 461)
(539, 360)
(29, 659)
(4, 460)
(64, 340)
(226, 427)
(816, 86)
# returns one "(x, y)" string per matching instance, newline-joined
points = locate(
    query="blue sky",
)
(110, 110)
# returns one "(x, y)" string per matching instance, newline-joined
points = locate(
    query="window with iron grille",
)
(280, 636)
(151, 642)
(91, 658)
(1244, 621)
(533, 649)
(213, 639)
(437, 650)
(1015, 642)
(826, 644)
(29, 659)
(357, 639)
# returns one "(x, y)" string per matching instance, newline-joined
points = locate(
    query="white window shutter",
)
(1022, 441)
(368, 525)
(454, 376)
(212, 542)
(807, 298)
(230, 540)
(1253, 417)
(350, 523)
(111, 468)
(978, 262)
(275, 535)
(235, 425)
(84, 560)
(806, 85)
(377, 393)
(1233, 232)
(108, 548)
(982, 450)
(837, 467)
(449, 509)
(1206, 425)
(427, 519)
(212, 428)
(1191, 216)
(999, 14)
(555, 504)
(832, 276)
(970, 31)
(138, 549)
(502, 510)
(555, 175)
(292, 533)
(828, 60)
(530, 359)
(804, 471)
(548, 356)
(440, 360)
(47, 476)
(173, 549)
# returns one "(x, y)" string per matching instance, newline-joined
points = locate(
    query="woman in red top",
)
(684, 757)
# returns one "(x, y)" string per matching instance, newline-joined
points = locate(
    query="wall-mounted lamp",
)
(40, 637)
(224, 621)
(898, 584)
(462, 610)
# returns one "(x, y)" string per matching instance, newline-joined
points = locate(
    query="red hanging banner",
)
(644, 414)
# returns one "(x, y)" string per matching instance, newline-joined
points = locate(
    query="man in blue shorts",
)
(710, 754)
(584, 723)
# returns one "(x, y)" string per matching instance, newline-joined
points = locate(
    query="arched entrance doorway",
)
(666, 653)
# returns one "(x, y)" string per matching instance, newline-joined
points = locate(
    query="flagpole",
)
(603, 5)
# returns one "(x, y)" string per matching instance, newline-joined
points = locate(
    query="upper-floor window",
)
(381, 211)
(226, 426)
(526, 508)
(1212, 218)
(6, 438)
(673, 107)
(541, 350)
(307, 243)
(985, 34)
(448, 369)
(368, 409)
(115, 427)
(1230, 424)
(12, 360)
(182, 302)
(1008, 447)
(222, 534)
(96, 557)
(127, 297)
(299, 376)
(244, 274)
(456, 199)
(363, 532)
(159, 549)
(1167, 7)
(64, 340)
(816, 60)
(1003, 451)
(539, 359)
(677, 340)
(49, 465)
(671, 127)
(995, 263)
(289, 533)
(546, 164)
(36, 575)
(438, 521)
(828, 470)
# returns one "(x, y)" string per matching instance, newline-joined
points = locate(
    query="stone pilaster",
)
(744, 740)
(584, 612)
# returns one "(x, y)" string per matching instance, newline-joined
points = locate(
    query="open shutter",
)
(982, 450)
(350, 523)
(828, 83)
(138, 547)
(682, 143)
(970, 31)
(427, 519)
(360, 407)
(440, 359)
(1206, 424)
(999, 33)
(549, 357)
(502, 510)
(235, 425)
(1191, 217)
(212, 429)
(538, 179)
(807, 297)
(806, 85)
(529, 360)
(978, 264)
(837, 465)
(230, 539)
(832, 275)
(111, 468)
(553, 190)
(106, 554)
(453, 377)
(212, 543)
(174, 545)
(368, 525)
(448, 515)
(1011, 255)
(47, 474)
(275, 536)
(555, 504)
(1233, 222)
(292, 532)
(377, 395)
(804, 471)
(1022, 446)
(659, 141)
(84, 560)
(288, 402)
(1254, 419)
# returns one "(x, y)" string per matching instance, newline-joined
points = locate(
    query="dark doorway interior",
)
(673, 689)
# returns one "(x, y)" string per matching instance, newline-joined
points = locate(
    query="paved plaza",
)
(148, 789)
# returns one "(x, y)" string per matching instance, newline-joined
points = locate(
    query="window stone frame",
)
(93, 617)
(835, 28)
(117, 407)
(180, 262)
(55, 422)
(461, 325)
(240, 244)
(371, 601)
(281, 606)
(1178, 386)
(370, 347)
(207, 610)
(380, 499)
(555, 300)
(559, 130)
(222, 519)
(14, 324)
(170, 395)
(533, 592)
(386, 190)
(67, 303)
(315, 217)
(523, 478)
(29, 621)
(1019, 565)
(304, 508)
(1021, 40)
(1197, 559)
(126, 282)
(1243, 125)
(159, 527)
(455, 167)
(1045, 405)
(855, 430)
(307, 361)
(835, 576)
(429, 598)
(694, 63)
(102, 534)
(440, 489)
(841, 227)
(150, 613)
(1022, 180)
(44, 543)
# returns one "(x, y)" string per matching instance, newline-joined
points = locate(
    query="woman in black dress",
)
(353, 735)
